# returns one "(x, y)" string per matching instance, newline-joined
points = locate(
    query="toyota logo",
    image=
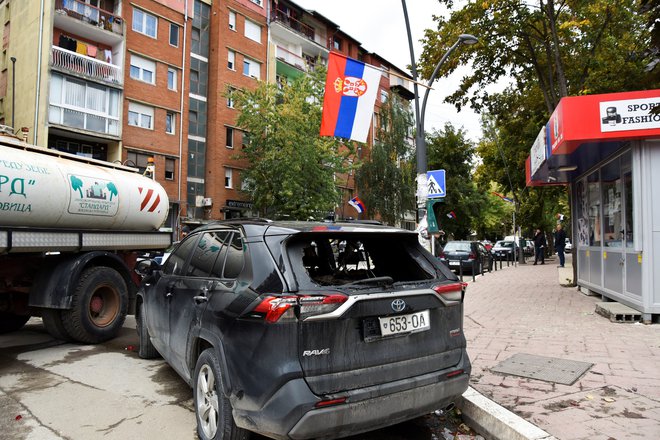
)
(398, 305)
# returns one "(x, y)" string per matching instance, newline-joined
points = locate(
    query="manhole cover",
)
(543, 368)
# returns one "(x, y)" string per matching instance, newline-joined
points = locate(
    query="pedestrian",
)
(539, 246)
(185, 231)
(560, 244)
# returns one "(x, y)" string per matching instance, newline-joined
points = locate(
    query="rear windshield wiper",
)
(385, 280)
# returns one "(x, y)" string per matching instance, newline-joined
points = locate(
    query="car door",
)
(158, 298)
(190, 294)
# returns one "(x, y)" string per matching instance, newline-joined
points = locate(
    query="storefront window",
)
(612, 204)
(593, 188)
(582, 213)
(628, 220)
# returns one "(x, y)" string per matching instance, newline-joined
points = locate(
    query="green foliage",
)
(448, 149)
(292, 168)
(387, 178)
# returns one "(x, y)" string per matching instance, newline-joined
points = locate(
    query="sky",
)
(380, 27)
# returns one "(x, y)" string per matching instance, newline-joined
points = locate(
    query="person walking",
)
(560, 244)
(539, 247)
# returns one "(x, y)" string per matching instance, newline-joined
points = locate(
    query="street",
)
(50, 390)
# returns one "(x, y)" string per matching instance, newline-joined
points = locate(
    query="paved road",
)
(50, 390)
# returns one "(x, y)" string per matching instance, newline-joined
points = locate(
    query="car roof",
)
(261, 226)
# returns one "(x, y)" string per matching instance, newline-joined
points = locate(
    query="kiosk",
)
(607, 149)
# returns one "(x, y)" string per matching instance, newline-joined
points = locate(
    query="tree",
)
(449, 149)
(292, 169)
(387, 177)
(570, 47)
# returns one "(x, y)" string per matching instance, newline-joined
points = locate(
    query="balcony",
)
(72, 62)
(79, 10)
(305, 63)
(295, 25)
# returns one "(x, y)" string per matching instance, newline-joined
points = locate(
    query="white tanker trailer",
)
(70, 230)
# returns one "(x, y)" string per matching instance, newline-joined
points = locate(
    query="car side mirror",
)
(146, 267)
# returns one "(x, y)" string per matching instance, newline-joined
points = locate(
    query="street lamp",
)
(13, 91)
(420, 138)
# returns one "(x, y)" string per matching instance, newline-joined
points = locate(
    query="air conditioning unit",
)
(207, 201)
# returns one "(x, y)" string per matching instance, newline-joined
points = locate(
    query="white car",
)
(569, 245)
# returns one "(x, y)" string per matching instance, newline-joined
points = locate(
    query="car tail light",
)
(472, 256)
(451, 292)
(441, 255)
(325, 403)
(455, 373)
(275, 308)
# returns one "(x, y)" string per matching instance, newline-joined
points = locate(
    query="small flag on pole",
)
(506, 199)
(351, 88)
(356, 203)
(451, 214)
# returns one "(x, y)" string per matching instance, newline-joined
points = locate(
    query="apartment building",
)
(129, 80)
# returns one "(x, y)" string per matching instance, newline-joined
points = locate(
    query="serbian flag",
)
(506, 199)
(452, 214)
(351, 88)
(356, 203)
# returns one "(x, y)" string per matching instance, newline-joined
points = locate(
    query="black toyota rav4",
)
(299, 330)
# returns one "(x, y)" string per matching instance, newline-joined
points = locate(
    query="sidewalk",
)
(524, 310)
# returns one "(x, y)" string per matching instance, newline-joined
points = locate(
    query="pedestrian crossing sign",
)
(435, 184)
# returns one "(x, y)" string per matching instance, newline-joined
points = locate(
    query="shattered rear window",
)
(340, 259)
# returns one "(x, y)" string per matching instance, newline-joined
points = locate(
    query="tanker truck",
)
(71, 229)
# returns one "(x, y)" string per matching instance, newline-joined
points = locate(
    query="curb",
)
(495, 422)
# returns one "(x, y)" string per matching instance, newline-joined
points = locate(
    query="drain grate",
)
(548, 369)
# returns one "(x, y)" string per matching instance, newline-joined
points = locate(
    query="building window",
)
(170, 122)
(252, 31)
(174, 35)
(245, 139)
(229, 181)
(138, 160)
(383, 95)
(336, 43)
(145, 23)
(143, 69)
(230, 98)
(169, 169)
(257, 2)
(251, 68)
(231, 60)
(230, 138)
(140, 115)
(232, 20)
(171, 79)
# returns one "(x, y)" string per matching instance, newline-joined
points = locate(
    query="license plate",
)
(413, 322)
(454, 263)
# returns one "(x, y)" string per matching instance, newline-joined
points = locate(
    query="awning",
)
(583, 130)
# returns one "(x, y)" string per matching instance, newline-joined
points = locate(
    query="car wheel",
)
(147, 349)
(212, 408)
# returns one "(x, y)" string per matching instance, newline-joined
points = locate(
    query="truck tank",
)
(46, 188)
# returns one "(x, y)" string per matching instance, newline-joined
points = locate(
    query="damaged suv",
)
(299, 330)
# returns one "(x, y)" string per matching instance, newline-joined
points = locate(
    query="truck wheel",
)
(147, 349)
(212, 408)
(52, 319)
(10, 322)
(99, 307)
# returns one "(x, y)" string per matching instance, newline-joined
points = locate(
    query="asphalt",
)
(527, 309)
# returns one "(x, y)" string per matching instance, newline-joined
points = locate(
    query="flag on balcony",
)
(451, 214)
(351, 88)
(356, 203)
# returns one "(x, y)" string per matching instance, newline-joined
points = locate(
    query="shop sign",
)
(629, 114)
(538, 152)
(239, 204)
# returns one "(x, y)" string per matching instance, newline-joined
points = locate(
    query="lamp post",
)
(420, 138)
(13, 91)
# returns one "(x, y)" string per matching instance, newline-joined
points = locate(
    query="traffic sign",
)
(435, 184)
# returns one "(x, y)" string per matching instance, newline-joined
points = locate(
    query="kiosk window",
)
(593, 189)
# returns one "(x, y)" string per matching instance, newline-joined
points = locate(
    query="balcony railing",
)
(88, 67)
(293, 24)
(82, 11)
(70, 117)
(305, 64)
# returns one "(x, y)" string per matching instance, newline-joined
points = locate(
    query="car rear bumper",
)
(290, 413)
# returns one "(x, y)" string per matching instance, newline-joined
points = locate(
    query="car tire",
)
(99, 306)
(146, 349)
(52, 319)
(10, 322)
(212, 408)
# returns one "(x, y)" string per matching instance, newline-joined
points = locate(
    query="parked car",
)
(470, 255)
(569, 246)
(529, 248)
(305, 330)
(487, 244)
(503, 250)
